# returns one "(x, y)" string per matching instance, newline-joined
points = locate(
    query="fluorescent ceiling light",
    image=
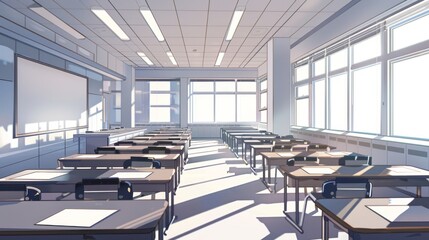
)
(219, 59)
(234, 24)
(170, 55)
(108, 20)
(58, 22)
(148, 16)
(145, 58)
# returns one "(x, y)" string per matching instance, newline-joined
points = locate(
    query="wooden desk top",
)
(132, 217)
(140, 148)
(372, 171)
(152, 140)
(319, 154)
(355, 215)
(122, 157)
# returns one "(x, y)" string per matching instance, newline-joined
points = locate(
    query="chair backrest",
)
(318, 147)
(288, 137)
(299, 159)
(142, 162)
(106, 150)
(347, 188)
(19, 192)
(103, 188)
(355, 160)
(174, 138)
(125, 143)
(299, 141)
(164, 143)
(156, 150)
(280, 148)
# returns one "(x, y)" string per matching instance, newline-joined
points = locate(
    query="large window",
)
(338, 102)
(263, 98)
(222, 101)
(410, 31)
(157, 101)
(319, 103)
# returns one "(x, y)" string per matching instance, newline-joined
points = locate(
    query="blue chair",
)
(125, 143)
(106, 150)
(355, 160)
(142, 162)
(156, 150)
(103, 188)
(18, 192)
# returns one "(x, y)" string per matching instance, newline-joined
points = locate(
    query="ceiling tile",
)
(223, 5)
(220, 18)
(296, 5)
(212, 49)
(259, 32)
(214, 41)
(192, 18)
(200, 5)
(299, 18)
(133, 17)
(279, 5)
(336, 5)
(192, 49)
(142, 31)
(246, 49)
(249, 18)
(195, 41)
(71, 4)
(121, 4)
(269, 19)
(161, 5)
(216, 31)
(166, 18)
(85, 16)
(170, 31)
(242, 31)
(314, 5)
(194, 31)
(256, 5)
(236, 41)
(251, 41)
(175, 41)
(150, 41)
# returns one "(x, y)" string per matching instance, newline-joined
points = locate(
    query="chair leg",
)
(301, 219)
(275, 180)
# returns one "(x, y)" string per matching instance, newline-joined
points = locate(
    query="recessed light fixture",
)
(43, 12)
(234, 24)
(170, 55)
(108, 20)
(148, 16)
(219, 58)
(145, 58)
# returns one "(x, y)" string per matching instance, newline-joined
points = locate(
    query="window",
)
(338, 102)
(338, 60)
(319, 67)
(157, 101)
(264, 116)
(302, 105)
(301, 72)
(367, 99)
(410, 32)
(319, 103)
(222, 101)
(263, 98)
(367, 49)
(409, 94)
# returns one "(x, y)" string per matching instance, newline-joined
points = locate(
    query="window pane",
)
(159, 114)
(264, 85)
(203, 108)
(244, 86)
(159, 99)
(319, 104)
(263, 100)
(225, 86)
(246, 108)
(367, 99)
(338, 102)
(203, 86)
(409, 95)
(264, 116)
(410, 33)
(159, 86)
(301, 73)
(302, 112)
(302, 91)
(319, 67)
(225, 108)
(367, 49)
(338, 60)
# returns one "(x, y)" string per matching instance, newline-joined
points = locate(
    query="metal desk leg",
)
(285, 195)
(325, 227)
(269, 173)
(161, 228)
(295, 223)
(169, 197)
(419, 191)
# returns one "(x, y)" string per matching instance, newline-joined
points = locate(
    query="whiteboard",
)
(48, 99)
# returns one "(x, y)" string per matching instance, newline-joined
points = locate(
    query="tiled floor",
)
(220, 198)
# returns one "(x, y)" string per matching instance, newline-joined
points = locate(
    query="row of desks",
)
(139, 217)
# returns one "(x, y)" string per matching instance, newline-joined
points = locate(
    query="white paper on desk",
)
(399, 171)
(285, 154)
(41, 175)
(131, 175)
(338, 153)
(122, 147)
(89, 156)
(318, 170)
(402, 213)
(156, 156)
(77, 217)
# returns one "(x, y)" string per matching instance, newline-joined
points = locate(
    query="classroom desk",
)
(360, 222)
(132, 217)
(171, 161)
(100, 138)
(137, 149)
(280, 158)
(227, 134)
(379, 175)
(153, 141)
(239, 140)
(159, 180)
(235, 139)
(224, 130)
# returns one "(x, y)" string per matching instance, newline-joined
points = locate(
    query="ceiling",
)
(194, 30)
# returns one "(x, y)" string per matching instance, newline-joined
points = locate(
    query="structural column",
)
(184, 82)
(128, 102)
(279, 86)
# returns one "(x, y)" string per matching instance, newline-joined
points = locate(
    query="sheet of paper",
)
(156, 156)
(131, 175)
(122, 147)
(285, 154)
(401, 171)
(338, 153)
(318, 170)
(402, 213)
(90, 156)
(77, 217)
(41, 175)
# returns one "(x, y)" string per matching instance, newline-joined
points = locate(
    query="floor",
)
(220, 198)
